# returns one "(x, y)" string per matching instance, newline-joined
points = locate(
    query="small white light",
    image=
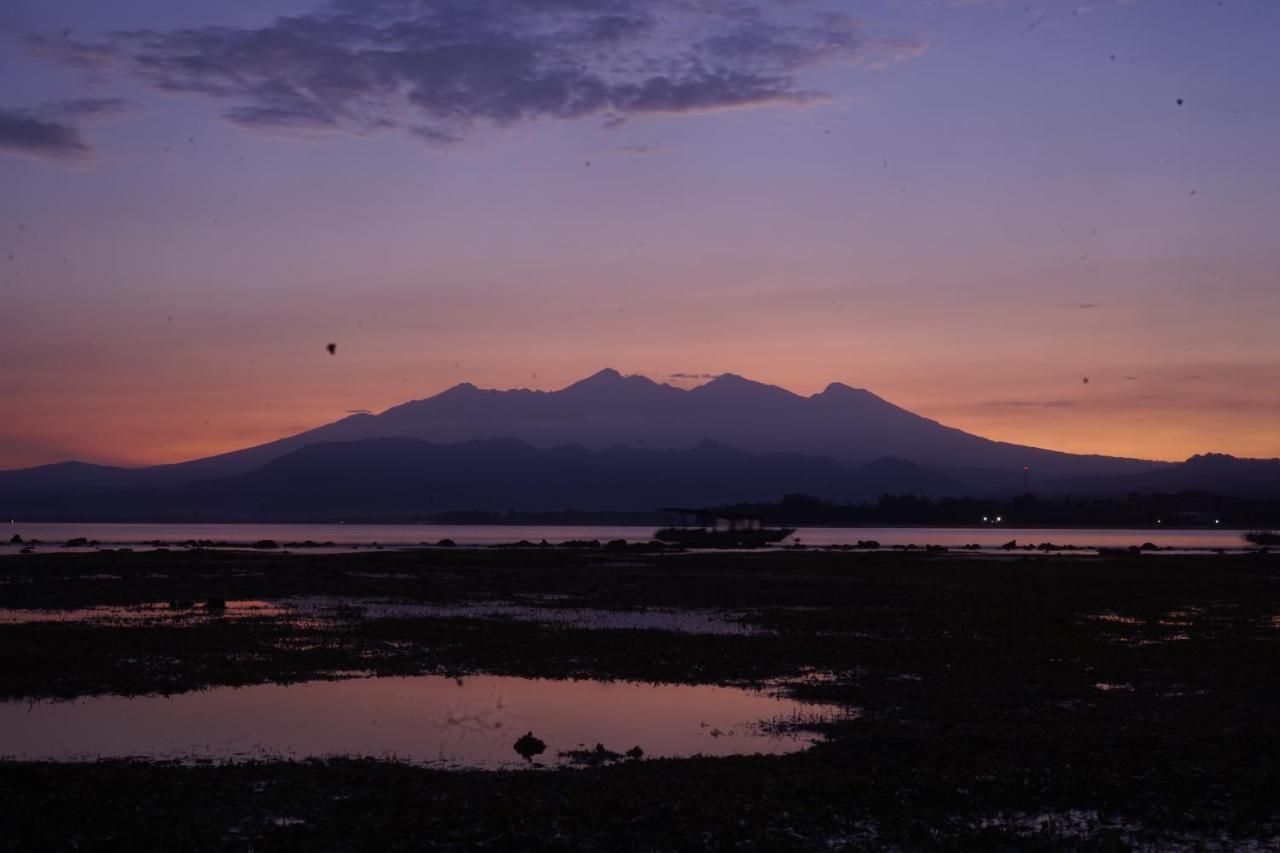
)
(984, 518)
(999, 518)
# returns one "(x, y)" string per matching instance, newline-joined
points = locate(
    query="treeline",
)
(564, 517)
(1185, 509)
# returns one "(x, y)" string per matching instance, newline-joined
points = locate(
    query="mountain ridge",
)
(401, 477)
(848, 424)
(610, 408)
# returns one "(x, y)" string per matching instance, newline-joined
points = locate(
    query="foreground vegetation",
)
(1025, 702)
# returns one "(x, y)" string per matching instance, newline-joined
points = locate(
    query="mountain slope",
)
(1210, 472)
(405, 478)
(608, 409)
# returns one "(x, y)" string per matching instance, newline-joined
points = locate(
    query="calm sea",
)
(402, 535)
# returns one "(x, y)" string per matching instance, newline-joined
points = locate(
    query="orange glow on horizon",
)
(180, 424)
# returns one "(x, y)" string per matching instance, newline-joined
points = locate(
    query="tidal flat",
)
(1020, 702)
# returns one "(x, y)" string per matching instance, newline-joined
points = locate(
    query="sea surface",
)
(407, 535)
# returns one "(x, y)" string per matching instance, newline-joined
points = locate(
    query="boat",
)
(712, 529)
(1263, 537)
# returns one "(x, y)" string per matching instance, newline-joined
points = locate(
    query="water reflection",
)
(315, 610)
(346, 536)
(688, 621)
(470, 722)
(152, 611)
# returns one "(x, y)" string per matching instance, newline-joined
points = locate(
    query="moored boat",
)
(693, 537)
(720, 530)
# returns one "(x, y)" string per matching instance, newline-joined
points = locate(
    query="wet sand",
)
(1038, 702)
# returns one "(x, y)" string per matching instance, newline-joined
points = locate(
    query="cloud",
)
(23, 132)
(61, 48)
(642, 148)
(78, 108)
(52, 132)
(1081, 305)
(693, 376)
(437, 70)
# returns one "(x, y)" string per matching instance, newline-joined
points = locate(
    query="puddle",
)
(1116, 619)
(151, 611)
(683, 621)
(471, 722)
(304, 608)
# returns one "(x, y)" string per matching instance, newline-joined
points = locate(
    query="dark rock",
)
(528, 746)
(215, 605)
(15, 539)
(592, 757)
(447, 543)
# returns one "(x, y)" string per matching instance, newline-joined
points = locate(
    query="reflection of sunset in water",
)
(470, 722)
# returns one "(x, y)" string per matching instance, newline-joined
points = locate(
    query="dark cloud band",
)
(438, 69)
(22, 132)
(53, 132)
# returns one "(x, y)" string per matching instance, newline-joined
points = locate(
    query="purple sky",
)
(967, 207)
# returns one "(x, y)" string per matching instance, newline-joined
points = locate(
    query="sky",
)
(1052, 223)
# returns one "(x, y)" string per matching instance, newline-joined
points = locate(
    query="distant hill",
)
(408, 478)
(608, 410)
(1211, 472)
(397, 478)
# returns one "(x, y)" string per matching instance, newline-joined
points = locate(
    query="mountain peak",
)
(608, 381)
(607, 374)
(733, 383)
(606, 378)
(460, 388)
(835, 388)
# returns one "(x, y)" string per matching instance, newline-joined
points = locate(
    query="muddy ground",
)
(1020, 702)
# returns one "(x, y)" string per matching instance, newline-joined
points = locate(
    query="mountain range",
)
(608, 442)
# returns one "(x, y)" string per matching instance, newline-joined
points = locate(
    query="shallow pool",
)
(471, 722)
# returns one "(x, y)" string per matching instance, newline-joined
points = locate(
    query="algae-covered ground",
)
(1021, 702)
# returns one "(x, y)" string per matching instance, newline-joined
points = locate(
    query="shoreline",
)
(1136, 695)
